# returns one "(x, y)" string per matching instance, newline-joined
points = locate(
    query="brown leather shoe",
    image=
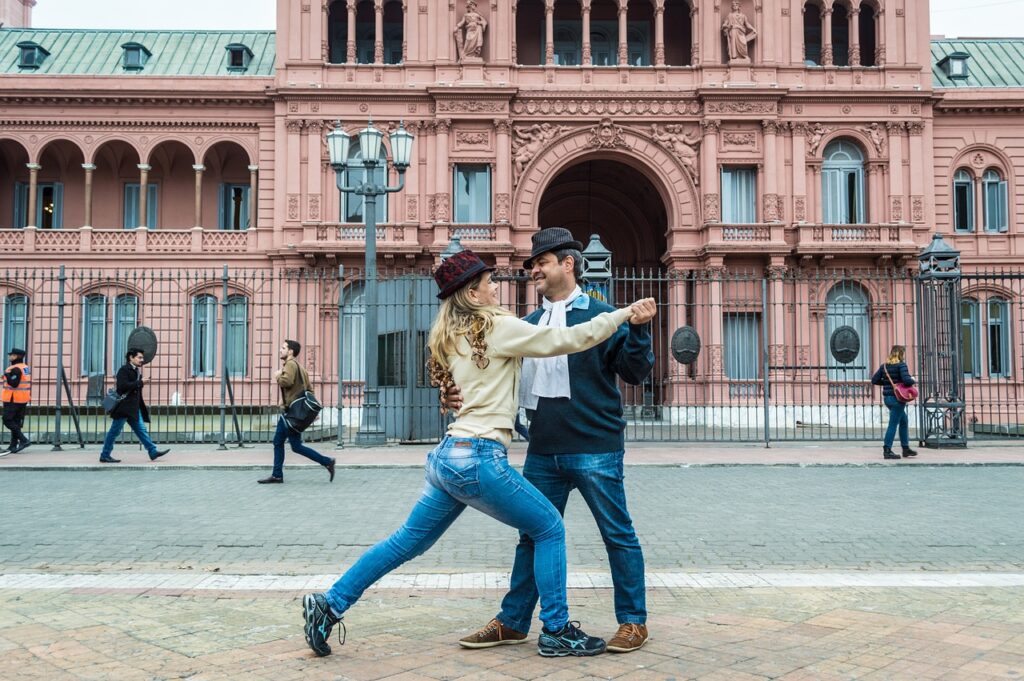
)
(494, 634)
(628, 638)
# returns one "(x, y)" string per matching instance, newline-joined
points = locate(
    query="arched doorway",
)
(611, 199)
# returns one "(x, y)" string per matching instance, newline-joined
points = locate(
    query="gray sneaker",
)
(319, 622)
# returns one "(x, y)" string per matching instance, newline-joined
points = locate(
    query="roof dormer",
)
(32, 55)
(954, 65)
(239, 56)
(135, 56)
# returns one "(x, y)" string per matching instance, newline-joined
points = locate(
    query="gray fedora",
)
(551, 239)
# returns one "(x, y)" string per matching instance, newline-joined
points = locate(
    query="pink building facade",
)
(774, 137)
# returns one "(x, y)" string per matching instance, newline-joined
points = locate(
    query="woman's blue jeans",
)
(472, 472)
(138, 427)
(897, 419)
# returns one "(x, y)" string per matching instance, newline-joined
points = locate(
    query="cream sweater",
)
(490, 396)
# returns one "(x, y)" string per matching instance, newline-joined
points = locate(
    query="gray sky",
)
(952, 18)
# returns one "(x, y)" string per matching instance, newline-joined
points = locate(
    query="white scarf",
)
(547, 376)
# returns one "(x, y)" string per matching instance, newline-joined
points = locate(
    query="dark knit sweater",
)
(590, 422)
(899, 374)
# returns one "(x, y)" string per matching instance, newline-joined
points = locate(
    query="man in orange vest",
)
(17, 393)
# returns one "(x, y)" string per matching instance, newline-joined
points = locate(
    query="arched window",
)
(963, 201)
(995, 201)
(867, 22)
(568, 45)
(847, 305)
(678, 33)
(237, 330)
(94, 335)
(842, 184)
(356, 172)
(998, 312)
(970, 340)
(639, 33)
(604, 49)
(840, 35)
(337, 32)
(353, 334)
(15, 322)
(394, 32)
(530, 32)
(204, 335)
(126, 314)
(812, 34)
(365, 32)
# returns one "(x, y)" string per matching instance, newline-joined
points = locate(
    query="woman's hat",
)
(16, 351)
(457, 271)
(551, 239)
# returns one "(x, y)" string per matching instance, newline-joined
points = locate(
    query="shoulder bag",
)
(303, 410)
(111, 400)
(903, 393)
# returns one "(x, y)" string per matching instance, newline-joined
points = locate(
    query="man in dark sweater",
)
(577, 441)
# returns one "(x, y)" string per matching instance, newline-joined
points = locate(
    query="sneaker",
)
(628, 638)
(571, 640)
(319, 622)
(494, 634)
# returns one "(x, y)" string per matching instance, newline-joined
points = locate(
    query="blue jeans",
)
(283, 433)
(897, 419)
(599, 478)
(138, 427)
(473, 472)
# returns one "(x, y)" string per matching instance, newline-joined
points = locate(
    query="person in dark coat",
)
(895, 370)
(131, 409)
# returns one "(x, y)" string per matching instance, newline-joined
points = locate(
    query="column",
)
(694, 36)
(917, 171)
(514, 57)
(585, 58)
(816, 195)
(854, 32)
(880, 37)
(315, 173)
(659, 33)
(709, 170)
(799, 151)
(715, 273)
(199, 168)
(549, 32)
(895, 129)
(89, 169)
(144, 169)
(623, 34)
(350, 39)
(875, 208)
(777, 308)
(826, 36)
(442, 200)
(502, 179)
(770, 212)
(33, 188)
(378, 31)
(253, 196)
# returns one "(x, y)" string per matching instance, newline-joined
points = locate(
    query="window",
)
(131, 205)
(963, 201)
(239, 56)
(638, 43)
(568, 43)
(998, 338)
(49, 205)
(847, 305)
(994, 190)
(739, 195)
(742, 345)
(391, 359)
(840, 35)
(365, 32)
(204, 335)
(356, 172)
(32, 55)
(954, 65)
(472, 194)
(233, 213)
(126, 311)
(337, 32)
(237, 335)
(393, 32)
(135, 56)
(353, 334)
(969, 340)
(867, 21)
(94, 335)
(842, 180)
(812, 34)
(15, 322)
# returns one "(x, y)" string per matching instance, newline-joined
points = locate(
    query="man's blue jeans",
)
(138, 427)
(472, 472)
(897, 419)
(283, 433)
(599, 478)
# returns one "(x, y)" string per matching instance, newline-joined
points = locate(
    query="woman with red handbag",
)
(897, 392)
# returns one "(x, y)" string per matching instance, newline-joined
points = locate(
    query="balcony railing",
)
(869, 238)
(86, 240)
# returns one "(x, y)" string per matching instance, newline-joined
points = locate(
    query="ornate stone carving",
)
(606, 135)
(527, 141)
(412, 206)
(773, 208)
(739, 33)
(915, 128)
(710, 127)
(711, 213)
(441, 207)
(467, 138)
(770, 127)
(469, 106)
(978, 160)
(503, 126)
(917, 208)
(800, 209)
(749, 107)
(897, 209)
(432, 207)
(684, 146)
(314, 207)
(855, 55)
(875, 133)
(501, 207)
(469, 35)
(815, 135)
(293, 206)
(442, 126)
(715, 359)
(740, 139)
(895, 127)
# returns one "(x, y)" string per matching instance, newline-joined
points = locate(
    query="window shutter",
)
(243, 219)
(131, 206)
(151, 207)
(223, 210)
(1003, 201)
(58, 205)
(20, 205)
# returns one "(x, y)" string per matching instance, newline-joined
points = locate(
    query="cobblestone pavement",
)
(740, 521)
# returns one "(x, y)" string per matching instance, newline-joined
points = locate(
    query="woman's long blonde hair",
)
(897, 354)
(459, 316)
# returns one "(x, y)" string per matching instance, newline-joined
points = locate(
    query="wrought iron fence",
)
(785, 355)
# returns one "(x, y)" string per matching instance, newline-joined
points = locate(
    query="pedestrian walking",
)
(577, 441)
(293, 382)
(130, 409)
(478, 344)
(17, 393)
(891, 373)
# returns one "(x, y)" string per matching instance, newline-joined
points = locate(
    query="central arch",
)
(643, 157)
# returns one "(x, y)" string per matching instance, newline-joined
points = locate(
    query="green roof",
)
(76, 52)
(993, 62)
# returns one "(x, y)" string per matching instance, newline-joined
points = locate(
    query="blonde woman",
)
(895, 370)
(478, 345)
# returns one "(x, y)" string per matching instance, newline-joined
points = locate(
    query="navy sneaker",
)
(319, 622)
(571, 640)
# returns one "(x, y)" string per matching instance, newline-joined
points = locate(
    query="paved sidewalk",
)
(817, 453)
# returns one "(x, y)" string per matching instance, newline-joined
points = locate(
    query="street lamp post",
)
(371, 431)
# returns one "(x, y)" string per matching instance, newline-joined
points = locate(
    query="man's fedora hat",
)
(457, 271)
(551, 239)
(16, 351)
